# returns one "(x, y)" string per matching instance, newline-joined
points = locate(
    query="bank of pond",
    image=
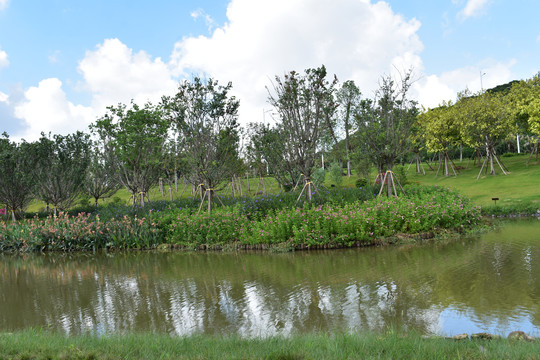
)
(34, 344)
(335, 218)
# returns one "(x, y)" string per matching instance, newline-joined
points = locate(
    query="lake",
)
(489, 282)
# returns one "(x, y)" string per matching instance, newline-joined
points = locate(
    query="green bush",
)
(361, 183)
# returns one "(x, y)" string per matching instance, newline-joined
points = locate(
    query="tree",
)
(17, 181)
(305, 103)
(348, 98)
(60, 167)
(440, 131)
(266, 147)
(136, 137)
(526, 97)
(485, 119)
(205, 116)
(101, 179)
(385, 123)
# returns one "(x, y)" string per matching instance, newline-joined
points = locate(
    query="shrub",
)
(361, 182)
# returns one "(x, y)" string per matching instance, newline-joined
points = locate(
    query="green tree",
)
(305, 104)
(60, 168)
(484, 120)
(266, 147)
(525, 95)
(136, 136)
(205, 116)
(101, 179)
(385, 123)
(440, 130)
(17, 180)
(348, 98)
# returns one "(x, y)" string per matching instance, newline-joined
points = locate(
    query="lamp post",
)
(481, 85)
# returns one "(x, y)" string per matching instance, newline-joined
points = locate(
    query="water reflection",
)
(487, 284)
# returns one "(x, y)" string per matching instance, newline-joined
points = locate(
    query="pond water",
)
(486, 283)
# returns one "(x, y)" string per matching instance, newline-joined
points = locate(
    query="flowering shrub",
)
(338, 218)
(419, 211)
(221, 228)
(81, 232)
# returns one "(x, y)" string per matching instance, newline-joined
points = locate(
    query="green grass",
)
(521, 185)
(32, 344)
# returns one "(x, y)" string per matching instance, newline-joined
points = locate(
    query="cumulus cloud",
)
(46, 109)
(473, 8)
(432, 90)
(3, 59)
(114, 73)
(354, 39)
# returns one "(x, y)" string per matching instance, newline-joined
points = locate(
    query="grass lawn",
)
(521, 185)
(32, 344)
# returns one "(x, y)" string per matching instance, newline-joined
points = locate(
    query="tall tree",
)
(525, 95)
(60, 167)
(440, 131)
(348, 98)
(305, 104)
(385, 123)
(101, 179)
(267, 147)
(17, 180)
(485, 119)
(205, 116)
(136, 136)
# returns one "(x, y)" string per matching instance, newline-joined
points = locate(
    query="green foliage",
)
(362, 164)
(318, 176)
(336, 174)
(136, 137)
(60, 167)
(401, 173)
(361, 182)
(422, 210)
(305, 105)
(205, 115)
(385, 123)
(17, 177)
(82, 232)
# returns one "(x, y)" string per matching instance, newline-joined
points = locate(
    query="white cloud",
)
(4, 98)
(433, 89)
(3, 59)
(46, 109)
(473, 8)
(3, 4)
(200, 13)
(113, 73)
(355, 39)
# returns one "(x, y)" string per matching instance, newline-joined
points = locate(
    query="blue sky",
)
(63, 61)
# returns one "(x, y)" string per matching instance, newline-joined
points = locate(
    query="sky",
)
(62, 62)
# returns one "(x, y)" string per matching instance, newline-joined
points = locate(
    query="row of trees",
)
(481, 121)
(195, 135)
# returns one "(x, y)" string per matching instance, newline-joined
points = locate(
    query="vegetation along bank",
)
(335, 218)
